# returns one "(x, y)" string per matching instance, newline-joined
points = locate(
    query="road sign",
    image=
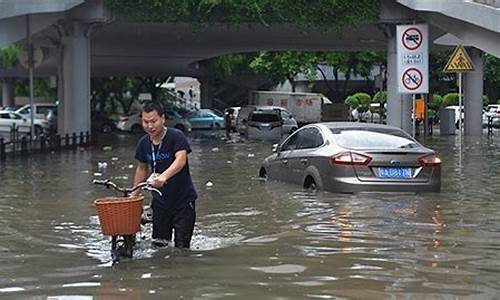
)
(459, 61)
(411, 38)
(412, 79)
(413, 58)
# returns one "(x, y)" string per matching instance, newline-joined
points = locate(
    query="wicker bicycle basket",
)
(119, 215)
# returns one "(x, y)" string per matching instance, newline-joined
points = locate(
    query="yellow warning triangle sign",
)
(459, 61)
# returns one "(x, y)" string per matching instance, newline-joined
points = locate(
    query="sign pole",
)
(413, 116)
(460, 102)
(30, 67)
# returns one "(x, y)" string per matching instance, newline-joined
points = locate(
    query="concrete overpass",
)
(80, 38)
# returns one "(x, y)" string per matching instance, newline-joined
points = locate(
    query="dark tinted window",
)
(309, 138)
(363, 138)
(264, 117)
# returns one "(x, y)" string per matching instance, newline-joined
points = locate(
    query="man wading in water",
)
(162, 152)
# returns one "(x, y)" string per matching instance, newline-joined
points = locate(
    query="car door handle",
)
(303, 161)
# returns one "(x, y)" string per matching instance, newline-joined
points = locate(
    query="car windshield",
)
(364, 138)
(264, 117)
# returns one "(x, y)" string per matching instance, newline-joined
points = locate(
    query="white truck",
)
(305, 107)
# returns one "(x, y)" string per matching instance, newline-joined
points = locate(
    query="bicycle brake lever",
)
(153, 189)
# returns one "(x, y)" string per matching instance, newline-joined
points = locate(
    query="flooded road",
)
(254, 239)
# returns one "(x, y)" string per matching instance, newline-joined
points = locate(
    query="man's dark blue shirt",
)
(179, 190)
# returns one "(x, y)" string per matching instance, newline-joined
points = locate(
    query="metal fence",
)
(20, 144)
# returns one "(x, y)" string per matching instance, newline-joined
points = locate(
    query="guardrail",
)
(21, 145)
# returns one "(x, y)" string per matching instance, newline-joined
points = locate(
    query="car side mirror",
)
(275, 148)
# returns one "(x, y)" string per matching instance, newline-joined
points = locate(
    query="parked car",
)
(40, 112)
(102, 123)
(265, 124)
(456, 108)
(205, 118)
(493, 111)
(99, 122)
(289, 122)
(351, 157)
(8, 119)
(133, 122)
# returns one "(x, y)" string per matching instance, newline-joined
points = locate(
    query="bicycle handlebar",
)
(143, 185)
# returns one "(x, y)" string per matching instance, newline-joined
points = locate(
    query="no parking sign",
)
(413, 59)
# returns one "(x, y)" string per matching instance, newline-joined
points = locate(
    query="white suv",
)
(41, 110)
(289, 122)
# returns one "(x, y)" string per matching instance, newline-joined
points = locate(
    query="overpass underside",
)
(79, 39)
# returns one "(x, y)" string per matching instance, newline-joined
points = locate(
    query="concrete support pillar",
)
(473, 95)
(74, 109)
(7, 92)
(399, 106)
(207, 92)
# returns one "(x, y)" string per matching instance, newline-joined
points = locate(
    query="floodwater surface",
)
(253, 239)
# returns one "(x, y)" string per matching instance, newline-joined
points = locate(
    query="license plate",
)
(394, 172)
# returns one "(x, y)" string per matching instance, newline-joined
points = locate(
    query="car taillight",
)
(350, 158)
(429, 160)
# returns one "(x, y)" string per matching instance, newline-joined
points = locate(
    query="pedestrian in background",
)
(161, 154)
(228, 122)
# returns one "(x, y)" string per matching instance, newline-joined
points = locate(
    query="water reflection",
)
(253, 239)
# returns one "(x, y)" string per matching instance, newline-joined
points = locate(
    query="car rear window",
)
(372, 139)
(264, 117)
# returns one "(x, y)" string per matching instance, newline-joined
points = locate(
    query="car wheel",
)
(180, 127)
(136, 128)
(263, 173)
(310, 184)
(106, 128)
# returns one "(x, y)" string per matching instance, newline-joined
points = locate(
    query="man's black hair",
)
(149, 106)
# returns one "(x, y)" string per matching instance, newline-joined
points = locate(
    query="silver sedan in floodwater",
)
(354, 157)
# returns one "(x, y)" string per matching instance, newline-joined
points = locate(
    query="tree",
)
(324, 14)
(8, 56)
(285, 65)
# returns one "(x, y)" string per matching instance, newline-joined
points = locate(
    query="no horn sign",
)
(413, 58)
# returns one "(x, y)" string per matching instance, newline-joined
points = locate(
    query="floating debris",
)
(209, 184)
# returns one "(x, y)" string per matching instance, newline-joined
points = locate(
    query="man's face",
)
(153, 122)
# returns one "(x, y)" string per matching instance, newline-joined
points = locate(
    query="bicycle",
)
(120, 217)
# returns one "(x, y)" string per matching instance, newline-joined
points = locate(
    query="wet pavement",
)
(254, 239)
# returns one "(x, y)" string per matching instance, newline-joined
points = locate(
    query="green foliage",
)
(286, 65)
(41, 88)
(324, 14)
(436, 102)
(486, 100)
(360, 101)
(232, 65)
(492, 70)
(8, 56)
(380, 96)
(450, 99)
(352, 102)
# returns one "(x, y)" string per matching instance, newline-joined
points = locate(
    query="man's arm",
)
(175, 167)
(141, 173)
